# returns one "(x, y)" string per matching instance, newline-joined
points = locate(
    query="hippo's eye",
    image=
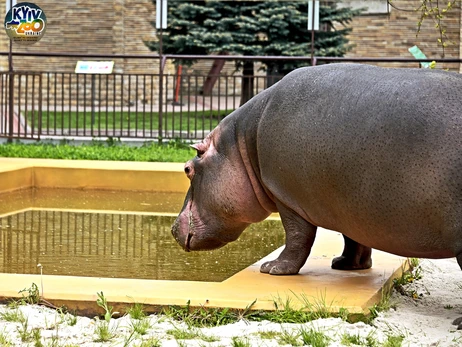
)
(189, 169)
(200, 148)
(200, 153)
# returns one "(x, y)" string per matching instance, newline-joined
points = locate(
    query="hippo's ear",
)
(200, 148)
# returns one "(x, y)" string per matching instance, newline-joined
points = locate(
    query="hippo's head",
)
(221, 201)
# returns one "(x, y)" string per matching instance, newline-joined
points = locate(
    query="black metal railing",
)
(66, 104)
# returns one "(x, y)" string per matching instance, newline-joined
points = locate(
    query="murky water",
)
(115, 234)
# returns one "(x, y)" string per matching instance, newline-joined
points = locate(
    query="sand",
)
(422, 315)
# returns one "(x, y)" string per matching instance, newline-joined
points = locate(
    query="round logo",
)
(25, 23)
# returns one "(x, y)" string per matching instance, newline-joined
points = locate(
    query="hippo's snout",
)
(182, 234)
(192, 235)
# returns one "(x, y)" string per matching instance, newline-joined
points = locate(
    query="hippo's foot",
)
(300, 236)
(344, 263)
(354, 257)
(458, 322)
(279, 267)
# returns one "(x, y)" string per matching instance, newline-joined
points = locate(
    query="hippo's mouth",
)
(187, 244)
(192, 233)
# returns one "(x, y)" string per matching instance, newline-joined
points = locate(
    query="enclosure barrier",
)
(159, 106)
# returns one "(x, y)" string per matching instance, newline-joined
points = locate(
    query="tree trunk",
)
(247, 85)
(213, 75)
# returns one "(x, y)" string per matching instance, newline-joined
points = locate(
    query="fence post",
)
(10, 107)
(10, 94)
(161, 106)
(39, 125)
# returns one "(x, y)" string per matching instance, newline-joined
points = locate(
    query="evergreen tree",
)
(252, 28)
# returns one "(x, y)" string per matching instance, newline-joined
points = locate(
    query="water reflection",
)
(121, 245)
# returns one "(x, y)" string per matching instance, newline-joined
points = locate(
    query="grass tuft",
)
(4, 341)
(351, 339)
(413, 274)
(206, 317)
(152, 342)
(103, 331)
(13, 315)
(394, 341)
(289, 338)
(314, 338)
(269, 335)
(239, 342)
(30, 295)
(141, 326)
(184, 334)
(136, 311)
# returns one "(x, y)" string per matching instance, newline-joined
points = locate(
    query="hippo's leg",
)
(300, 236)
(458, 321)
(355, 256)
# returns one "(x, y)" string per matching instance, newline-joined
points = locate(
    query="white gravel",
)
(425, 321)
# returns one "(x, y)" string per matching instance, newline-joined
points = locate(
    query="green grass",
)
(351, 339)
(312, 308)
(239, 342)
(4, 340)
(394, 341)
(174, 151)
(202, 316)
(184, 334)
(13, 315)
(140, 326)
(152, 342)
(136, 311)
(289, 338)
(314, 338)
(103, 331)
(269, 334)
(179, 120)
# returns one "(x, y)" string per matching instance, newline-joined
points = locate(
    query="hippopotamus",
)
(373, 153)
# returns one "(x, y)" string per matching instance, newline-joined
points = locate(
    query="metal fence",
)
(158, 106)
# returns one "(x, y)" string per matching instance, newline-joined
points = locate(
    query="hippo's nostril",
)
(187, 170)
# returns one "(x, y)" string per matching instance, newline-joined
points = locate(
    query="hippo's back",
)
(367, 151)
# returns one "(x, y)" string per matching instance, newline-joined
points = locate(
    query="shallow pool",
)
(115, 234)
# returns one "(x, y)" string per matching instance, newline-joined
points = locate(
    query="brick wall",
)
(122, 26)
(391, 34)
(86, 26)
(94, 27)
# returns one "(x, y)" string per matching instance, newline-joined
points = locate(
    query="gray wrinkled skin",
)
(373, 153)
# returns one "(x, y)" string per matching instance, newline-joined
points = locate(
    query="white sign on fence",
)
(94, 67)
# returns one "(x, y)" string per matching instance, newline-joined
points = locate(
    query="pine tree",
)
(252, 28)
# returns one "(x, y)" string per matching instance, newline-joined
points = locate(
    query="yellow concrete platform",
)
(317, 282)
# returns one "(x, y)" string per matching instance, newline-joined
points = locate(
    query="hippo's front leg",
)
(300, 237)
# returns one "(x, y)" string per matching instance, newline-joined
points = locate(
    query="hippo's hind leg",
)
(355, 256)
(300, 236)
